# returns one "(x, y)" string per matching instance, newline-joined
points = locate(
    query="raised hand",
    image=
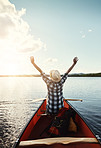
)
(75, 60)
(32, 59)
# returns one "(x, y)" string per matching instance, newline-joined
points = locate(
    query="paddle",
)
(62, 140)
(36, 100)
(74, 100)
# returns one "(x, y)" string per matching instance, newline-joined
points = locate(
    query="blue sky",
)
(54, 32)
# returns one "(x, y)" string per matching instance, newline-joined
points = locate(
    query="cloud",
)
(15, 33)
(5, 25)
(83, 36)
(85, 33)
(90, 30)
(51, 60)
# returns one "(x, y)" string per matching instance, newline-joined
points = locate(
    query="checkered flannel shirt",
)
(55, 93)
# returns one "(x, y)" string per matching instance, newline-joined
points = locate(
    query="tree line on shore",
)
(85, 75)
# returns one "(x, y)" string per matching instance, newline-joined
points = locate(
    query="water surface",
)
(16, 103)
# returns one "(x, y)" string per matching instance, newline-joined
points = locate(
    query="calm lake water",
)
(16, 103)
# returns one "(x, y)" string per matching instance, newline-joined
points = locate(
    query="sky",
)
(53, 31)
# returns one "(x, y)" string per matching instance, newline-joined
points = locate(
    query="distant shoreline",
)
(86, 75)
(70, 75)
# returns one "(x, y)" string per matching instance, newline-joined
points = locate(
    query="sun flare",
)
(11, 69)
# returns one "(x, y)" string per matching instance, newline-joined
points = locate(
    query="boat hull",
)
(36, 129)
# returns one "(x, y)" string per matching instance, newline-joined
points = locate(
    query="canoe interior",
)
(38, 127)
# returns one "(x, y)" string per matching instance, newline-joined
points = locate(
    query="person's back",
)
(54, 86)
(55, 92)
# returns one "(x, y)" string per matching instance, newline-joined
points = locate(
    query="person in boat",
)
(54, 86)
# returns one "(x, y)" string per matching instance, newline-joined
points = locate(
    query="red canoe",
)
(35, 133)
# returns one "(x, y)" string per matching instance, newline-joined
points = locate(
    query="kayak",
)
(35, 132)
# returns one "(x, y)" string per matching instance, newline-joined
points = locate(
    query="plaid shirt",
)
(55, 93)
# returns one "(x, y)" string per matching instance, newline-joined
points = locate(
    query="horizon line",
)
(39, 75)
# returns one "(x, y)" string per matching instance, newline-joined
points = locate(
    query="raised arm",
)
(74, 62)
(32, 61)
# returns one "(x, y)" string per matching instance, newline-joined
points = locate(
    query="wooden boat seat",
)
(60, 140)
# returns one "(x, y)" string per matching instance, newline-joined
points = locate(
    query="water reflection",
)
(16, 106)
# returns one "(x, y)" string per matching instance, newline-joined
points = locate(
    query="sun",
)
(9, 63)
(11, 69)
